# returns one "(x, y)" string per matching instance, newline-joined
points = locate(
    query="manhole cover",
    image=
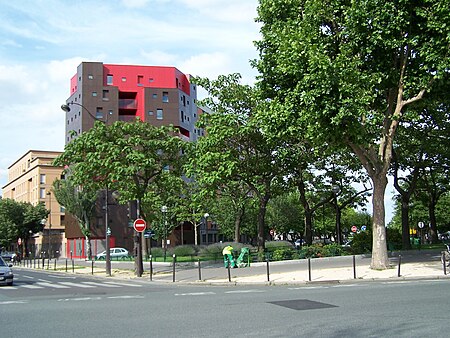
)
(302, 304)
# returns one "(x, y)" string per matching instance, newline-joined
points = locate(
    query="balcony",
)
(127, 104)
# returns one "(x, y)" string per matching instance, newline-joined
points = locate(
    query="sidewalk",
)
(280, 273)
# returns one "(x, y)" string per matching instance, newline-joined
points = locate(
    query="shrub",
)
(282, 253)
(331, 250)
(157, 252)
(362, 242)
(184, 250)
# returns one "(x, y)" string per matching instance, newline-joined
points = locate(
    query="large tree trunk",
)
(308, 226)
(88, 247)
(261, 223)
(237, 225)
(433, 228)
(406, 242)
(380, 259)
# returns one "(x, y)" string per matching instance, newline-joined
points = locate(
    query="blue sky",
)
(43, 41)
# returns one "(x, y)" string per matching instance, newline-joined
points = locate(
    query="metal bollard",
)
(309, 269)
(354, 267)
(199, 271)
(444, 263)
(54, 265)
(151, 267)
(66, 264)
(229, 271)
(399, 264)
(174, 260)
(268, 273)
(92, 267)
(73, 267)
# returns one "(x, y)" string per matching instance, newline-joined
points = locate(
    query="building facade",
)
(30, 179)
(109, 93)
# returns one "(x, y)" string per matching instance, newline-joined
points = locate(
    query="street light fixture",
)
(49, 194)
(206, 215)
(164, 212)
(66, 108)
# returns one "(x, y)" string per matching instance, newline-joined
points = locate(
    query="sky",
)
(43, 41)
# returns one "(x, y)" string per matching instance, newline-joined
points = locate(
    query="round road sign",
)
(354, 228)
(139, 225)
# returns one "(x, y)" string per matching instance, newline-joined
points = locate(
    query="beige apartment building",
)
(30, 179)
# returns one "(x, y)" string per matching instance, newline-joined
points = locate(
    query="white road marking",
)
(8, 288)
(101, 284)
(29, 277)
(195, 294)
(53, 285)
(77, 285)
(14, 302)
(31, 286)
(63, 277)
(124, 284)
(78, 299)
(126, 297)
(244, 291)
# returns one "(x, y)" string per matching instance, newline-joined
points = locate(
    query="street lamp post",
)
(164, 212)
(49, 223)
(336, 191)
(66, 108)
(206, 215)
(107, 233)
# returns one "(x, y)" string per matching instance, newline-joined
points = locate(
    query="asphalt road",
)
(142, 309)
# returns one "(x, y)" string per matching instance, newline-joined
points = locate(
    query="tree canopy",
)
(345, 73)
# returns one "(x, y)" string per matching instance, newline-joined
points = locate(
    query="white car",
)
(6, 274)
(114, 253)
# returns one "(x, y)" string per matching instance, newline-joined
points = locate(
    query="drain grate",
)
(302, 304)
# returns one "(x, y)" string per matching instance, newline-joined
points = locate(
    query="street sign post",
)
(139, 225)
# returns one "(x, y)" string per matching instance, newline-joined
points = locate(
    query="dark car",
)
(6, 274)
(8, 256)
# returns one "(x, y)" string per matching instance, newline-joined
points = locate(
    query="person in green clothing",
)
(227, 253)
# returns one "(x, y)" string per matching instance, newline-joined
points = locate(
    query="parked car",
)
(6, 274)
(113, 253)
(299, 243)
(8, 256)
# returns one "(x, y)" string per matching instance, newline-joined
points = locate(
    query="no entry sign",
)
(139, 225)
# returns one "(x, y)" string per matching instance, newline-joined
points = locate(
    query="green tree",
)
(346, 72)
(137, 160)
(80, 203)
(20, 220)
(234, 148)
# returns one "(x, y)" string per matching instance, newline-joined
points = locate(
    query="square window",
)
(150, 113)
(154, 96)
(124, 79)
(90, 77)
(94, 93)
(109, 79)
(159, 114)
(165, 97)
(151, 80)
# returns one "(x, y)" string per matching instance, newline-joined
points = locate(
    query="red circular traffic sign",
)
(354, 228)
(139, 225)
